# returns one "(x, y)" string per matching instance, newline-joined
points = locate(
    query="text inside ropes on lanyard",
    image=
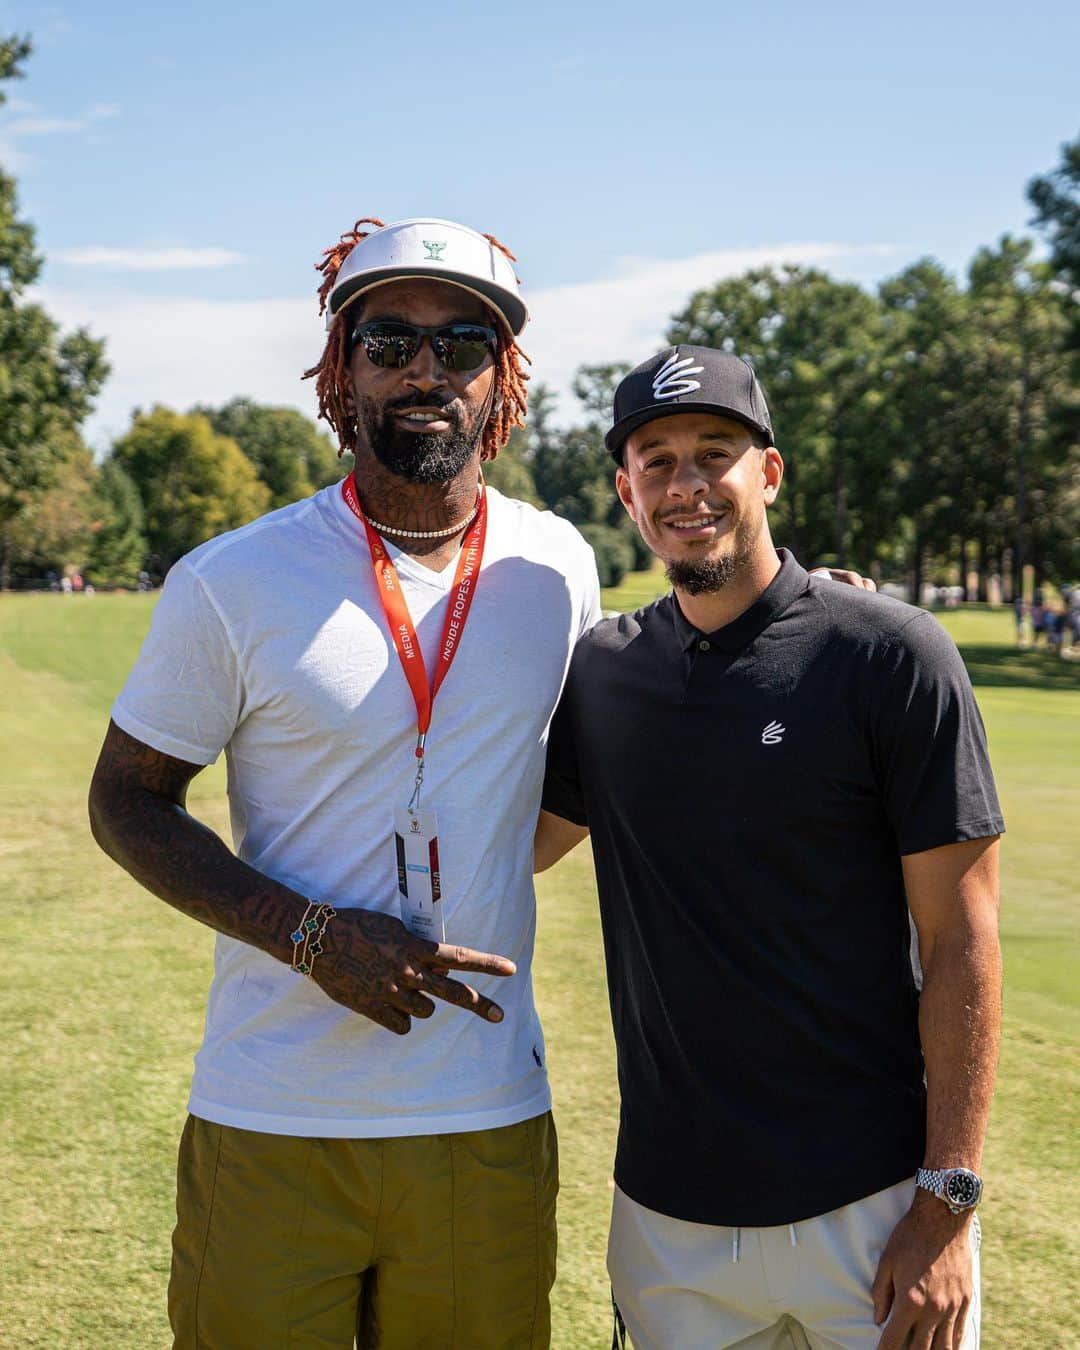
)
(400, 624)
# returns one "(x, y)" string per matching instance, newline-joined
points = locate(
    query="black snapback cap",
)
(687, 379)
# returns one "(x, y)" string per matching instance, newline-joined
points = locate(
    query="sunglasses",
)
(393, 345)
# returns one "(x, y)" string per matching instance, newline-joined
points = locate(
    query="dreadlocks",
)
(331, 370)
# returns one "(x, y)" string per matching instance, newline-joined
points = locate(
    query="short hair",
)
(331, 370)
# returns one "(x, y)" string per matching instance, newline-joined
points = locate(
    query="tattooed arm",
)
(371, 963)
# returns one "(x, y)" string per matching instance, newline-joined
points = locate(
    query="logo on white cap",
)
(434, 251)
(671, 379)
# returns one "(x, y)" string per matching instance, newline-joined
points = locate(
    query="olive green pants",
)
(445, 1241)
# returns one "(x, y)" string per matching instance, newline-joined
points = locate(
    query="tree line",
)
(930, 428)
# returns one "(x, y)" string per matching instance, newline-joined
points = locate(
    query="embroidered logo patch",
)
(671, 379)
(773, 734)
(434, 250)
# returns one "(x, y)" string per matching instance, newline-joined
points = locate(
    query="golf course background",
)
(104, 986)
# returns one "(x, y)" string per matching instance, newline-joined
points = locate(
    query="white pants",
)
(804, 1286)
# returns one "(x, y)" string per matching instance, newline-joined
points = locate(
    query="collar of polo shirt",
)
(788, 584)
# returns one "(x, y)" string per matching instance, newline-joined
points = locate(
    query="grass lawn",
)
(101, 1008)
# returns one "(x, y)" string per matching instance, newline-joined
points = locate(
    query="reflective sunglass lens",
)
(456, 354)
(390, 350)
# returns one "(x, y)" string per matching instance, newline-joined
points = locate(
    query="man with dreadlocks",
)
(379, 663)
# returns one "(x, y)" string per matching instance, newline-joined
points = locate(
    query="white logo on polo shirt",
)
(670, 380)
(773, 734)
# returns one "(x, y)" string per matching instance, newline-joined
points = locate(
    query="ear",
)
(622, 487)
(772, 473)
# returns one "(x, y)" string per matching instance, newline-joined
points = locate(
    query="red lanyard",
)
(466, 577)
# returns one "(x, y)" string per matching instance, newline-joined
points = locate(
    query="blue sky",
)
(185, 166)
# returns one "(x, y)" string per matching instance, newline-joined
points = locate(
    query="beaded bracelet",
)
(307, 939)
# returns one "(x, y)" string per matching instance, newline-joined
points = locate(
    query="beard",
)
(700, 576)
(421, 458)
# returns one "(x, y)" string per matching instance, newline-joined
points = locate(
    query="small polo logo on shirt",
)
(773, 734)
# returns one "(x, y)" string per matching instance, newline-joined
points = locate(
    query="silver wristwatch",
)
(959, 1187)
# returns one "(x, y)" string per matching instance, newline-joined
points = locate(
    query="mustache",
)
(702, 509)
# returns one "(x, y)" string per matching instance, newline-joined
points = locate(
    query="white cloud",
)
(45, 126)
(188, 351)
(28, 124)
(28, 121)
(181, 352)
(623, 316)
(145, 259)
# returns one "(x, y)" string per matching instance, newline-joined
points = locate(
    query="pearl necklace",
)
(427, 534)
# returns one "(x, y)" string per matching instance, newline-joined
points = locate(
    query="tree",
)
(923, 369)
(54, 529)
(1056, 198)
(193, 483)
(1020, 316)
(509, 472)
(290, 454)
(47, 382)
(118, 546)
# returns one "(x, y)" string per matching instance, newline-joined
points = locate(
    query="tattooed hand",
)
(372, 964)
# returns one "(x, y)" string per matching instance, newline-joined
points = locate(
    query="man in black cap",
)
(775, 771)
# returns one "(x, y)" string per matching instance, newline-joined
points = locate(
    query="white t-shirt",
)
(270, 643)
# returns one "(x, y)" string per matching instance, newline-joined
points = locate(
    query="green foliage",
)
(573, 472)
(193, 483)
(1056, 198)
(47, 382)
(510, 474)
(614, 552)
(118, 548)
(54, 529)
(1020, 326)
(290, 454)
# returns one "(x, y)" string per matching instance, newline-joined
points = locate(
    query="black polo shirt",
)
(750, 793)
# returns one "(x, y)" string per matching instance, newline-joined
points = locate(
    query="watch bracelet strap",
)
(931, 1180)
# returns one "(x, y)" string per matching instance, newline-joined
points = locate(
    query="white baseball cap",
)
(435, 248)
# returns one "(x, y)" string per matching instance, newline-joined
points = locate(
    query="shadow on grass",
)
(1007, 667)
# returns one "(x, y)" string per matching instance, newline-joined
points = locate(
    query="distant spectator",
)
(1072, 618)
(1054, 624)
(1038, 619)
(1019, 611)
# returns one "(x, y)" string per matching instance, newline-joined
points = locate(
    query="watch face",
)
(962, 1189)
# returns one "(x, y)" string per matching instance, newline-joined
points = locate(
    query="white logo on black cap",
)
(670, 380)
(773, 734)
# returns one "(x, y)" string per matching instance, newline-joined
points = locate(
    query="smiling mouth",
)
(423, 417)
(700, 523)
